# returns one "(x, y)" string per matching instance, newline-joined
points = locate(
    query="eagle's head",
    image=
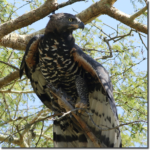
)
(63, 22)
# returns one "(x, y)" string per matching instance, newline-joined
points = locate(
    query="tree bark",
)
(28, 18)
(12, 76)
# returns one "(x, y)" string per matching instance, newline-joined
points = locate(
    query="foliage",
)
(18, 107)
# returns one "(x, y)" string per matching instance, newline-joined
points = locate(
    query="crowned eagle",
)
(55, 58)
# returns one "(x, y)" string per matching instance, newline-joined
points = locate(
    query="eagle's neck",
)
(66, 36)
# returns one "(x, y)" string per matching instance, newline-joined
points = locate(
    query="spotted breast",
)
(57, 64)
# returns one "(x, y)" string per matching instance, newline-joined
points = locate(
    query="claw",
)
(81, 105)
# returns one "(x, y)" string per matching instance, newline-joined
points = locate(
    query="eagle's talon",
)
(81, 105)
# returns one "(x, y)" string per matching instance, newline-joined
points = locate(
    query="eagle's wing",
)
(30, 63)
(101, 101)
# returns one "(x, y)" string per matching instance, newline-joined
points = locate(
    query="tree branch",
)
(94, 10)
(9, 65)
(17, 41)
(124, 18)
(16, 92)
(5, 138)
(40, 134)
(11, 120)
(69, 2)
(138, 13)
(45, 136)
(12, 76)
(142, 40)
(120, 36)
(110, 51)
(28, 18)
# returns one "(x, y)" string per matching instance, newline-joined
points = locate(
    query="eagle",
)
(54, 58)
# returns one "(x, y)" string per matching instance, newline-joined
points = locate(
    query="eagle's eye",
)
(70, 19)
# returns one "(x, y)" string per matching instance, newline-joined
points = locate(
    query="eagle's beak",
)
(77, 26)
(81, 25)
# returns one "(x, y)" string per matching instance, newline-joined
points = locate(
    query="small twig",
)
(48, 128)
(69, 2)
(6, 105)
(75, 10)
(130, 108)
(142, 39)
(46, 137)
(20, 7)
(100, 29)
(9, 65)
(111, 27)
(91, 49)
(121, 36)
(118, 28)
(12, 85)
(21, 137)
(127, 68)
(10, 56)
(16, 92)
(11, 120)
(110, 49)
(40, 134)
(64, 114)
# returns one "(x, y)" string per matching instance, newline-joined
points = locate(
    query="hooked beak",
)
(77, 26)
(81, 25)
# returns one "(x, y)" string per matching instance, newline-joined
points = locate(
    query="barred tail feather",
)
(67, 135)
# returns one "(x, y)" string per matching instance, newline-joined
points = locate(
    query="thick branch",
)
(138, 13)
(105, 7)
(94, 10)
(124, 18)
(17, 41)
(28, 18)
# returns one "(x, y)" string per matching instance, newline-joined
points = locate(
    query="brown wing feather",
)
(102, 104)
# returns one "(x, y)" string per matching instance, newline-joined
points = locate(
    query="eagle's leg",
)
(82, 90)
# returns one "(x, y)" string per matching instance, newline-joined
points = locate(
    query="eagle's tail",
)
(67, 134)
